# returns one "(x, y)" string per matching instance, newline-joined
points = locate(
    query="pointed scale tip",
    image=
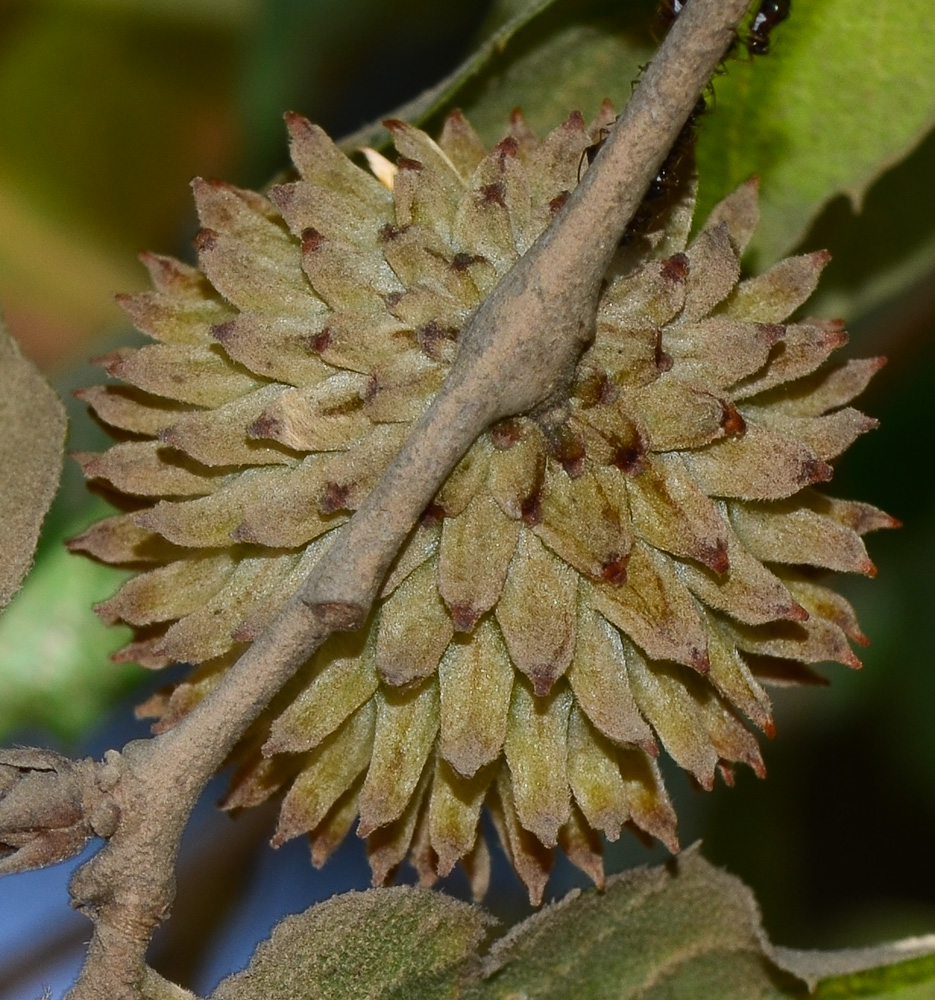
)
(698, 660)
(849, 659)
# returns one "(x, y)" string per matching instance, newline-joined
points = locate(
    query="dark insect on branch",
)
(771, 13)
(768, 15)
(669, 10)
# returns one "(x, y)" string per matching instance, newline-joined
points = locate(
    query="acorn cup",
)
(625, 569)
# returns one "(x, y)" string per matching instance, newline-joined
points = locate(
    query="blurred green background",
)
(109, 107)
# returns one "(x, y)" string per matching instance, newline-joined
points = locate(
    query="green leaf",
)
(483, 84)
(53, 650)
(405, 944)
(897, 970)
(684, 930)
(846, 92)
(570, 56)
(31, 451)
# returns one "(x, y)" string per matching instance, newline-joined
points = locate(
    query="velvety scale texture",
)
(623, 571)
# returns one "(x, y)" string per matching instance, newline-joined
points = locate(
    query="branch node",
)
(337, 616)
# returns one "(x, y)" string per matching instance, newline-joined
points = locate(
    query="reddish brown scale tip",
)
(517, 117)
(113, 362)
(573, 464)
(264, 427)
(506, 434)
(630, 460)
(89, 462)
(464, 617)
(772, 332)
(243, 533)
(715, 557)
(223, 333)
(558, 201)
(662, 361)
(849, 659)
(390, 232)
(406, 163)
(464, 261)
(727, 773)
(205, 240)
(593, 386)
(295, 121)
(868, 568)
(542, 680)
(769, 728)
(674, 268)
(282, 195)
(79, 543)
(757, 766)
(706, 783)
(312, 239)
(506, 148)
(393, 125)
(168, 436)
(158, 263)
(531, 509)
(432, 514)
(614, 570)
(699, 660)
(796, 613)
(854, 633)
(814, 470)
(732, 422)
(431, 337)
(494, 194)
(334, 497)
(145, 652)
(244, 633)
(835, 333)
(320, 341)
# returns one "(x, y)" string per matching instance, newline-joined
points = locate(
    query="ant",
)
(669, 10)
(590, 152)
(771, 12)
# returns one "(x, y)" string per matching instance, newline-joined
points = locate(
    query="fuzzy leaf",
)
(681, 931)
(385, 943)
(903, 970)
(33, 421)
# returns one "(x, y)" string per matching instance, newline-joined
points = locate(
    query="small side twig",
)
(516, 354)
